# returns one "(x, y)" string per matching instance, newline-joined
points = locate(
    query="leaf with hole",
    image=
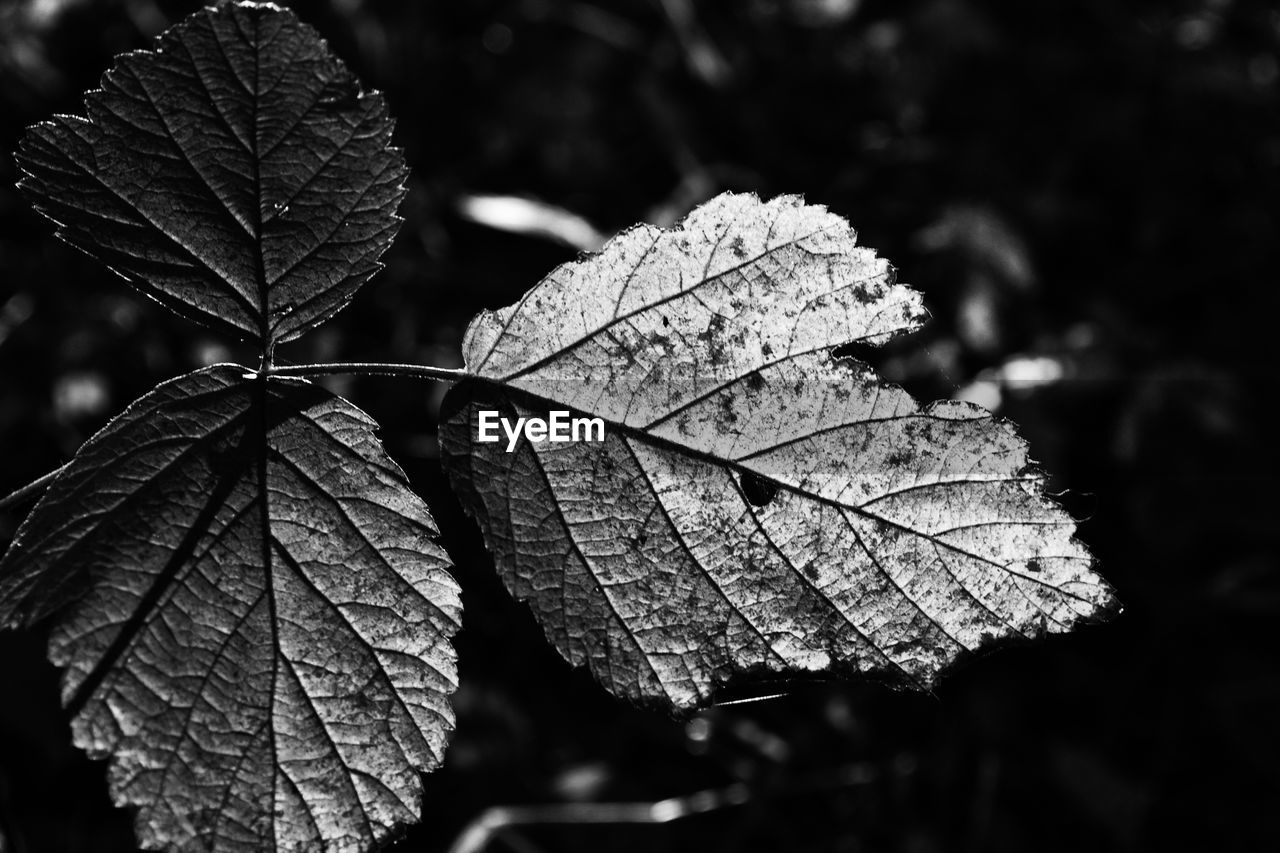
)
(236, 173)
(758, 509)
(253, 615)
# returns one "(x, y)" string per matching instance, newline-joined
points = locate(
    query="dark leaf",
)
(757, 508)
(236, 173)
(252, 612)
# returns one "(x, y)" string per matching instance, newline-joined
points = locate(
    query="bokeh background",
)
(1087, 194)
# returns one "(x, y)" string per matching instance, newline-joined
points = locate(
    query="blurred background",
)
(1086, 192)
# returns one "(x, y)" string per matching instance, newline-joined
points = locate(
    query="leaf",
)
(253, 615)
(236, 173)
(758, 508)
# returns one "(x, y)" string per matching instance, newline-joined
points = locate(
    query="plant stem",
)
(32, 489)
(413, 371)
(508, 820)
(362, 368)
(476, 835)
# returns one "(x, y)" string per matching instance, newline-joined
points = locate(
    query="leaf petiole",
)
(413, 371)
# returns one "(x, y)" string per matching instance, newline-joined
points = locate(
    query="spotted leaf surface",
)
(758, 509)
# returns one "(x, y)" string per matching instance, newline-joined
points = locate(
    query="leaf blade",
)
(251, 622)
(758, 509)
(236, 173)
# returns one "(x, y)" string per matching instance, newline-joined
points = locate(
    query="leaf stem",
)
(30, 490)
(362, 368)
(413, 371)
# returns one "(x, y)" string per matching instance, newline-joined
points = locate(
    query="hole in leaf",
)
(858, 351)
(757, 490)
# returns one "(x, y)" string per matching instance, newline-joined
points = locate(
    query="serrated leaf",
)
(236, 173)
(252, 612)
(758, 509)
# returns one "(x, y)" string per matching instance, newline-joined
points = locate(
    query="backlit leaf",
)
(236, 173)
(758, 508)
(252, 612)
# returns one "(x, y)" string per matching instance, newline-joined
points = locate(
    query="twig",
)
(496, 821)
(477, 834)
(700, 54)
(530, 217)
(415, 371)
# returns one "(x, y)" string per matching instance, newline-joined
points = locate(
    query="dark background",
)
(1086, 193)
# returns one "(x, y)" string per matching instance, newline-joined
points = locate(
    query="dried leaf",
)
(236, 173)
(758, 509)
(253, 616)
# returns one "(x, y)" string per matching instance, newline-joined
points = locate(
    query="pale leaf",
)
(758, 510)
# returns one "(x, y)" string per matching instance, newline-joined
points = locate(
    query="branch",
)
(477, 834)
(703, 58)
(414, 371)
(32, 489)
(362, 368)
